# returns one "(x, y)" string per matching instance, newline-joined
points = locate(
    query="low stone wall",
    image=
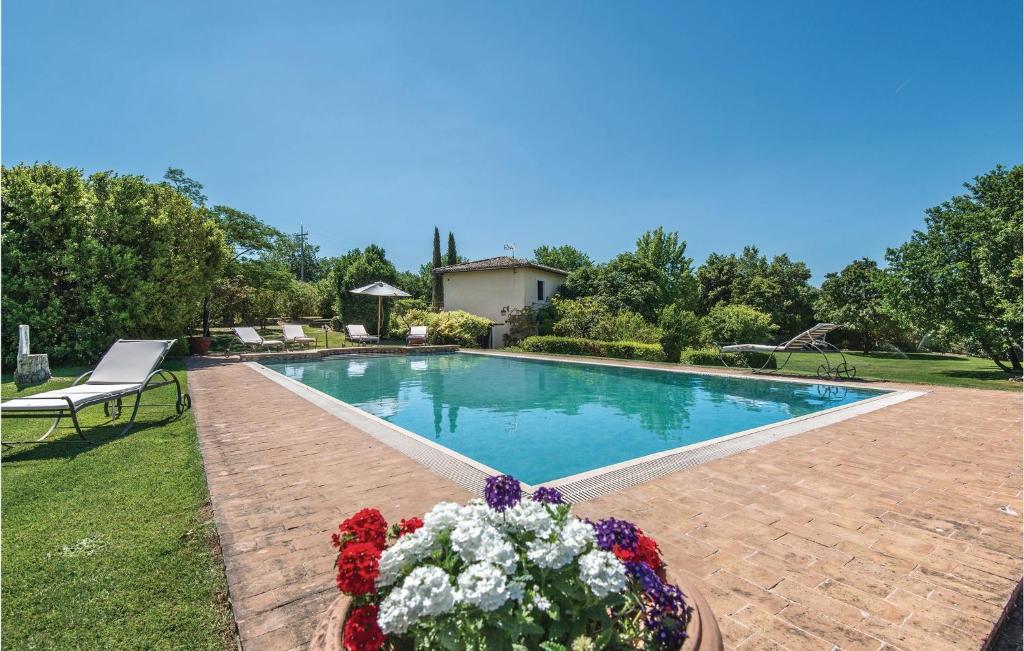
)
(309, 355)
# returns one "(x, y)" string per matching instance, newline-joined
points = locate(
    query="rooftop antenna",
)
(511, 247)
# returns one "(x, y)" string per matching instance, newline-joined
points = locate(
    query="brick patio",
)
(880, 531)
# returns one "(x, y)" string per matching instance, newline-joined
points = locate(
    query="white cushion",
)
(79, 394)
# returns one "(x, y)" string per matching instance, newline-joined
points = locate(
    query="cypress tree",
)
(438, 286)
(453, 255)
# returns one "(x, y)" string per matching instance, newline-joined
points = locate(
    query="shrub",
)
(710, 357)
(680, 329)
(326, 299)
(300, 299)
(737, 323)
(576, 317)
(593, 347)
(459, 328)
(626, 326)
(91, 260)
(407, 313)
(521, 324)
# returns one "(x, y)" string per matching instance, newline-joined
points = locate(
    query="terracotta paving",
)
(888, 530)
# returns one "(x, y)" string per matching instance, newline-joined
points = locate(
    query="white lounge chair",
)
(358, 334)
(293, 334)
(417, 335)
(249, 337)
(810, 339)
(127, 369)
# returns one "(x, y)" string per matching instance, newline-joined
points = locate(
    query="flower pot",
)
(702, 632)
(199, 345)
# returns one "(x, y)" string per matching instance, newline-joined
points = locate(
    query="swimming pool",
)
(543, 420)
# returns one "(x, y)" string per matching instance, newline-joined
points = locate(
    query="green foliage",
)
(681, 328)
(779, 288)
(300, 299)
(711, 357)
(625, 283)
(437, 281)
(577, 317)
(667, 252)
(453, 253)
(962, 274)
(88, 261)
(727, 324)
(565, 257)
(854, 299)
(417, 284)
(593, 348)
(459, 328)
(521, 324)
(408, 312)
(267, 302)
(356, 269)
(326, 298)
(626, 326)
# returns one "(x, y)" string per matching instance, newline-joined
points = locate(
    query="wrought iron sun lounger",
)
(812, 339)
(128, 369)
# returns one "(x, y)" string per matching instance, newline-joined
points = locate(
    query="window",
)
(540, 290)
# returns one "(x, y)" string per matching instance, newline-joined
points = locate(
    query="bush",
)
(459, 328)
(90, 260)
(743, 324)
(710, 357)
(626, 326)
(300, 299)
(326, 299)
(407, 313)
(680, 329)
(593, 347)
(576, 317)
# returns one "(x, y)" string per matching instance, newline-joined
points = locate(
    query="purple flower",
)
(612, 532)
(546, 495)
(666, 614)
(502, 492)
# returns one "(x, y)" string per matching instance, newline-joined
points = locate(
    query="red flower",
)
(361, 630)
(646, 552)
(367, 526)
(358, 566)
(408, 526)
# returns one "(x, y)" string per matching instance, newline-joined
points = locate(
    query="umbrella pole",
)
(380, 300)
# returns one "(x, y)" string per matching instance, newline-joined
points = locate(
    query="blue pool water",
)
(544, 420)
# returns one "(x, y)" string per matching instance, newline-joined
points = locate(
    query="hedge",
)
(575, 346)
(710, 357)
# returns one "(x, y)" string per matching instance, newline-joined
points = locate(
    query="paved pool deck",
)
(888, 530)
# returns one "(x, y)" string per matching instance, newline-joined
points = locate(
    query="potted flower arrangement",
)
(513, 572)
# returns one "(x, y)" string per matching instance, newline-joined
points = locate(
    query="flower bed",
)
(508, 572)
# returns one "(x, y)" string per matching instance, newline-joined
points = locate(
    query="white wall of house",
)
(488, 292)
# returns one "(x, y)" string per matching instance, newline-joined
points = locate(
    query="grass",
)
(916, 368)
(110, 545)
(224, 340)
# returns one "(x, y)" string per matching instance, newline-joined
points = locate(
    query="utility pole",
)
(302, 252)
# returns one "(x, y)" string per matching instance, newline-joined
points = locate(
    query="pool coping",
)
(579, 487)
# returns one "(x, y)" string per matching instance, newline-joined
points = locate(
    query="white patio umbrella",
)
(380, 289)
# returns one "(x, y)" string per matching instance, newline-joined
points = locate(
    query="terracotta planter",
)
(702, 633)
(199, 345)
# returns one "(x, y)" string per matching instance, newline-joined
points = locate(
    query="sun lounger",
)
(812, 339)
(249, 337)
(417, 336)
(358, 334)
(128, 369)
(293, 334)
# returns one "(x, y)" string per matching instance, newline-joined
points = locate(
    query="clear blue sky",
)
(821, 129)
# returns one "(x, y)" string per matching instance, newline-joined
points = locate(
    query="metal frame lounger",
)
(247, 335)
(128, 369)
(810, 339)
(293, 334)
(359, 334)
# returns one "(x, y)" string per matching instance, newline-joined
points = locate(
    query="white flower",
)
(442, 517)
(542, 602)
(476, 540)
(410, 548)
(574, 536)
(531, 516)
(426, 592)
(602, 572)
(483, 585)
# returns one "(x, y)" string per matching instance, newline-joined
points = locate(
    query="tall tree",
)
(667, 252)
(854, 298)
(962, 274)
(355, 269)
(437, 293)
(625, 283)
(175, 177)
(453, 255)
(564, 257)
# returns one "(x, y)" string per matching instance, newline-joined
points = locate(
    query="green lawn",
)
(918, 368)
(224, 339)
(111, 545)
